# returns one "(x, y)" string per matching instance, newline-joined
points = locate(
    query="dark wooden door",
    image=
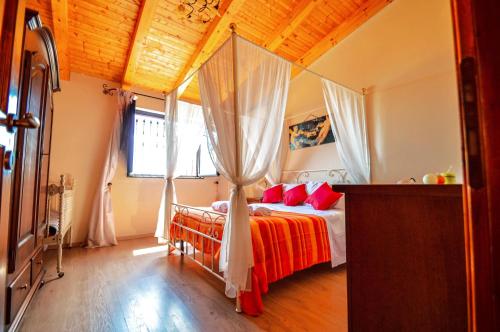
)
(27, 173)
(12, 26)
(477, 27)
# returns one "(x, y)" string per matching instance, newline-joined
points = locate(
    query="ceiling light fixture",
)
(202, 10)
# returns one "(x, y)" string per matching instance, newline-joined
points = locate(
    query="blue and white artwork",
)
(311, 133)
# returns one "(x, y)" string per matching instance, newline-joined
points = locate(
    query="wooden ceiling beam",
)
(298, 15)
(60, 24)
(218, 26)
(344, 29)
(142, 26)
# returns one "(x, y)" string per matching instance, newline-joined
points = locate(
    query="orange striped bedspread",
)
(283, 243)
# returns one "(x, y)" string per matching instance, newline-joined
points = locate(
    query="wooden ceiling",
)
(151, 44)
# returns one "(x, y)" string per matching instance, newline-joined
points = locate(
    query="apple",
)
(430, 178)
(440, 179)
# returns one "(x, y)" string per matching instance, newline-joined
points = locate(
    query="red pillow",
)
(323, 198)
(273, 194)
(295, 196)
(308, 200)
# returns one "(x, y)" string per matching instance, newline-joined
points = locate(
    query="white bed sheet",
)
(335, 222)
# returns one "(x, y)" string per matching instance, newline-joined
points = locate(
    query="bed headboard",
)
(332, 176)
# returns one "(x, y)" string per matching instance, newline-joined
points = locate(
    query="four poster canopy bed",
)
(244, 90)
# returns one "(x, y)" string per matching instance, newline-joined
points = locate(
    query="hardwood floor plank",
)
(110, 289)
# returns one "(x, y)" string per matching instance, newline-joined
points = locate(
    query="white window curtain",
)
(184, 131)
(346, 109)
(102, 225)
(243, 91)
(277, 165)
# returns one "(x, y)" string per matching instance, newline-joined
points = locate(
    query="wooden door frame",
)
(11, 43)
(478, 67)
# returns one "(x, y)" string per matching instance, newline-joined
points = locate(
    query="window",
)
(148, 158)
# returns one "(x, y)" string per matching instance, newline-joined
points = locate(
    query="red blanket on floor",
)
(283, 243)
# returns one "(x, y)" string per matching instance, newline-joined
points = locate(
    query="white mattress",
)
(335, 222)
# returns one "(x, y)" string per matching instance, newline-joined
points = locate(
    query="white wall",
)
(82, 122)
(404, 57)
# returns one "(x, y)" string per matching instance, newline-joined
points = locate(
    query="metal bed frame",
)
(178, 225)
(335, 176)
(209, 217)
(213, 218)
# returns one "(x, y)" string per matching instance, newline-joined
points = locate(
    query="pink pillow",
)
(295, 196)
(258, 211)
(220, 206)
(324, 197)
(273, 194)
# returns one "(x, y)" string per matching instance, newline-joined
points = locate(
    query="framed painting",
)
(312, 132)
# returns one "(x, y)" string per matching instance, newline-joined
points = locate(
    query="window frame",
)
(159, 115)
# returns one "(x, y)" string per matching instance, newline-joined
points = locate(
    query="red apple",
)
(440, 179)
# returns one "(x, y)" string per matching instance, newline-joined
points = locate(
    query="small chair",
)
(60, 217)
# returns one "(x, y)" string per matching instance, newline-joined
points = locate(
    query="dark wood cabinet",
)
(405, 258)
(28, 77)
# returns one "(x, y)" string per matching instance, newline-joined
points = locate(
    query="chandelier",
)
(201, 10)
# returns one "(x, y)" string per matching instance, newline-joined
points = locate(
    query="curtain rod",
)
(107, 90)
(233, 30)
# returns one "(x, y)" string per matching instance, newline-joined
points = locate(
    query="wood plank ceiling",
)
(152, 45)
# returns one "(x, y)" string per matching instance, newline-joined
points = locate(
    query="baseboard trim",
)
(119, 238)
(134, 237)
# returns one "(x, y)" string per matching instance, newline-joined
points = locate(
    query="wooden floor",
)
(110, 289)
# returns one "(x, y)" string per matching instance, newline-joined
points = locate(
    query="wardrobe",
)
(28, 78)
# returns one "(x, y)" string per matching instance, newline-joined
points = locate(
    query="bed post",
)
(238, 302)
(232, 26)
(168, 246)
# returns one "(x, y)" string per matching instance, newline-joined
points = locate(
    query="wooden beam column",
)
(298, 15)
(143, 23)
(344, 29)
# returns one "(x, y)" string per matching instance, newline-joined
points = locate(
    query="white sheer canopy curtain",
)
(346, 109)
(243, 91)
(277, 165)
(183, 134)
(102, 224)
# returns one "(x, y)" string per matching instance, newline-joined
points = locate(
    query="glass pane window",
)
(207, 167)
(149, 144)
(148, 159)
